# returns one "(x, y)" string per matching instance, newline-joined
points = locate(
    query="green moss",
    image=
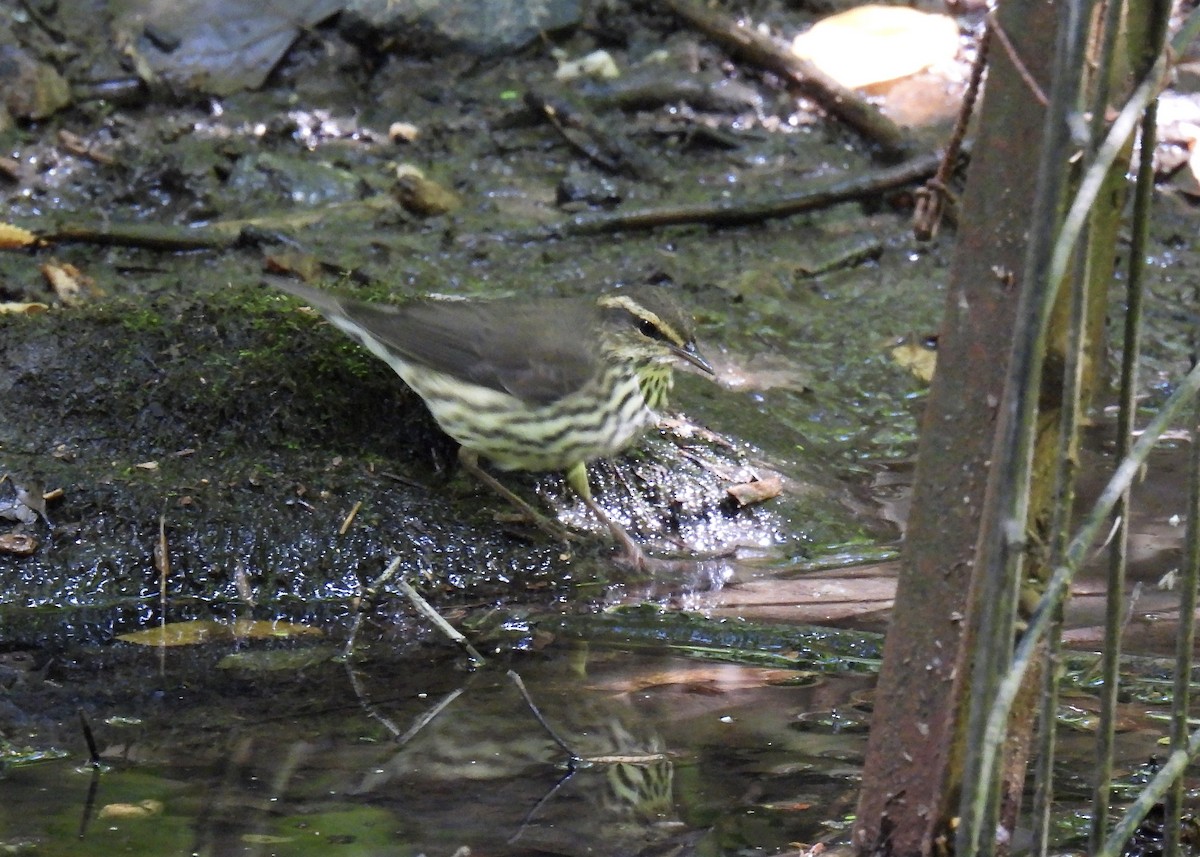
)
(137, 318)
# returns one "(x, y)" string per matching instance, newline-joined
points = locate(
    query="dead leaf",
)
(76, 145)
(598, 65)
(130, 811)
(789, 806)
(201, 631)
(262, 629)
(18, 544)
(14, 171)
(23, 307)
(1192, 187)
(756, 490)
(67, 281)
(916, 358)
(31, 89)
(709, 680)
(14, 237)
(277, 660)
(192, 633)
(875, 44)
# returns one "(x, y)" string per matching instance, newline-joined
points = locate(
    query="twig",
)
(426, 609)
(575, 758)
(935, 199)
(89, 739)
(366, 594)
(212, 236)
(537, 807)
(429, 715)
(364, 698)
(349, 519)
(608, 149)
(846, 104)
(726, 213)
(162, 559)
(1035, 89)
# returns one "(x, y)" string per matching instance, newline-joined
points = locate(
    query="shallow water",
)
(672, 752)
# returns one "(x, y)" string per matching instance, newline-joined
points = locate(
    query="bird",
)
(530, 384)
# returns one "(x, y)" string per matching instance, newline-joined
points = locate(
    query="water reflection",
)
(676, 757)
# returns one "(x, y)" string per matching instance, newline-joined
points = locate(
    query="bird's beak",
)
(688, 352)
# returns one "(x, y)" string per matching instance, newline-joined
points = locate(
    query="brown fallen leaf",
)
(76, 145)
(756, 490)
(18, 544)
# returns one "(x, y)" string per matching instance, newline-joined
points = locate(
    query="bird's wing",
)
(531, 352)
(538, 352)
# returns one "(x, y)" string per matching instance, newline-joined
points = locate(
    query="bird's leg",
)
(634, 557)
(470, 463)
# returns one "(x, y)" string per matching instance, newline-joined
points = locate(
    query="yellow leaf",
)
(68, 282)
(141, 809)
(260, 629)
(179, 634)
(919, 360)
(201, 631)
(14, 237)
(30, 308)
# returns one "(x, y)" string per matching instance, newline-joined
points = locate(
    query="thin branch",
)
(729, 213)
(427, 610)
(846, 104)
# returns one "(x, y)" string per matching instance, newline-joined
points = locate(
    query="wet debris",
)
(421, 195)
(23, 503)
(69, 284)
(18, 544)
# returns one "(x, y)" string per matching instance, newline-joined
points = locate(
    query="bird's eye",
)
(649, 328)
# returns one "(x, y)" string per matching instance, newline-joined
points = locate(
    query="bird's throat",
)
(655, 382)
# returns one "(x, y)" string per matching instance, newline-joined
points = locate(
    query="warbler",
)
(538, 384)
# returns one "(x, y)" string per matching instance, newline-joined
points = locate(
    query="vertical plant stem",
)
(1185, 641)
(1002, 542)
(1131, 348)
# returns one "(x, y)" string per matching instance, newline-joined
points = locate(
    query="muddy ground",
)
(179, 401)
